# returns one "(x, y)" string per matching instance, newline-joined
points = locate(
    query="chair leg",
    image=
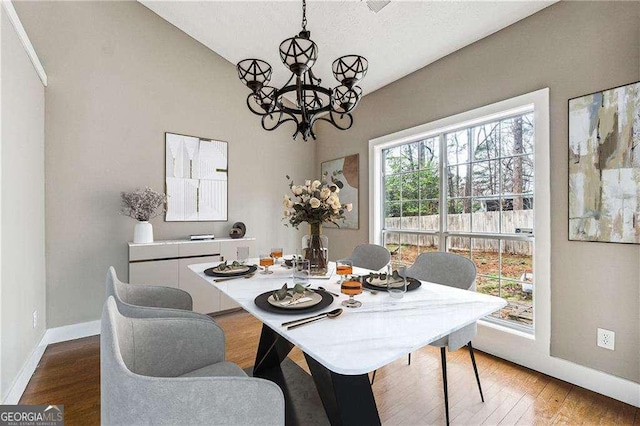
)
(475, 369)
(373, 379)
(443, 356)
(409, 363)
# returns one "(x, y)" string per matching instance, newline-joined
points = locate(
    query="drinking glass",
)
(266, 260)
(301, 271)
(396, 279)
(243, 254)
(351, 286)
(344, 267)
(276, 253)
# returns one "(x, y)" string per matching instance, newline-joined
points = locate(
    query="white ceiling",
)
(403, 37)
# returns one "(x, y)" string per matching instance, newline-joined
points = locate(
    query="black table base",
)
(347, 400)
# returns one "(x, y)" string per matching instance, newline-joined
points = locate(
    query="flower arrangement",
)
(316, 202)
(142, 204)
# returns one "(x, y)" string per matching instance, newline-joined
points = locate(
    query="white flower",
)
(325, 192)
(296, 190)
(349, 207)
(333, 199)
(314, 203)
(287, 213)
(307, 183)
(315, 184)
(337, 190)
(289, 204)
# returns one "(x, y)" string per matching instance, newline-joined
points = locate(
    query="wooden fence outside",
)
(484, 222)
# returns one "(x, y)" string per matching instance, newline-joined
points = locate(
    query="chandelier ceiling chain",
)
(304, 15)
(313, 102)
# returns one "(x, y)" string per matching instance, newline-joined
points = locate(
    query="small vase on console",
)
(143, 233)
(315, 248)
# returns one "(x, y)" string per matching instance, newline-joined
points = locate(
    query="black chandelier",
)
(313, 102)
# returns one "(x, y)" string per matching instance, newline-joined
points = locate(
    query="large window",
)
(468, 189)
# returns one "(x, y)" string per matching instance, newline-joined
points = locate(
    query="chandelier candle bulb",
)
(313, 102)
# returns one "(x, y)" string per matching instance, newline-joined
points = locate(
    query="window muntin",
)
(484, 185)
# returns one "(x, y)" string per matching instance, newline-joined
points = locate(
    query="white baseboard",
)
(72, 332)
(21, 382)
(52, 335)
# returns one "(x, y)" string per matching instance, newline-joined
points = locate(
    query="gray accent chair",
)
(370, 256)
(154, 301)
(171, 371)
(454, 271)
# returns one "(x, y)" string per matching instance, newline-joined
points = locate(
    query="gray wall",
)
(119, 77)
(574, 48)
(22, 281)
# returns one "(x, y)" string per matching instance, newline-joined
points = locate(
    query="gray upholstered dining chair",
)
(156, 300)
(170, 371)
(370, 256)
(454, 271)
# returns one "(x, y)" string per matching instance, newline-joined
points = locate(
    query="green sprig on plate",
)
(223, 266)
(295, 293)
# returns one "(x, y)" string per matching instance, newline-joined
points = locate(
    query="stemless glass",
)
(344, 267)
(242, 254)
(351, 286)
(266, 260)
(396, 279)
(301, 271)
(276, 253)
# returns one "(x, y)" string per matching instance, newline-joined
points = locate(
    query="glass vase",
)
(315, 249)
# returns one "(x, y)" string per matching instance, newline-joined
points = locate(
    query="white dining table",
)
(342, 351)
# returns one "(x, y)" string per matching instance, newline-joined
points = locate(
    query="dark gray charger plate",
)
(262, 303)
(212, 273)
(411, 285)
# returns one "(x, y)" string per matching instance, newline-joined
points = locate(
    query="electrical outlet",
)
(606, 339)
(35, 318)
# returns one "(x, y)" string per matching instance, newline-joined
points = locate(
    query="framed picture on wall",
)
(346, 169)
(604, 166)
(196, 178)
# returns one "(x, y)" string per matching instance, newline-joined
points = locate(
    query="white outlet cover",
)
(606, 339)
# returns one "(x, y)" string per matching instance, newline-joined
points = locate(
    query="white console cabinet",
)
(166, 263)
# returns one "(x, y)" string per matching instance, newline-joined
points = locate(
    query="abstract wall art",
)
(196, 178)
(346, 169)
(604, 166)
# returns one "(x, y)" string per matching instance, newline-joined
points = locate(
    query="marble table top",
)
(363, 339)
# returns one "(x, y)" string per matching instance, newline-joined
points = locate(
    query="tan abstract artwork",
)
(346, 169)
(604, 166)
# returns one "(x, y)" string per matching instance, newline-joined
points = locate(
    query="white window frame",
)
(494, 338)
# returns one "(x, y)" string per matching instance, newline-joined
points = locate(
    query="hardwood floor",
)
(69, 374)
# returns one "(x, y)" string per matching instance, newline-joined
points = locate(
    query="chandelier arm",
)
(313, 78)
(336, 123)
(280, 120)
(256, 112)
